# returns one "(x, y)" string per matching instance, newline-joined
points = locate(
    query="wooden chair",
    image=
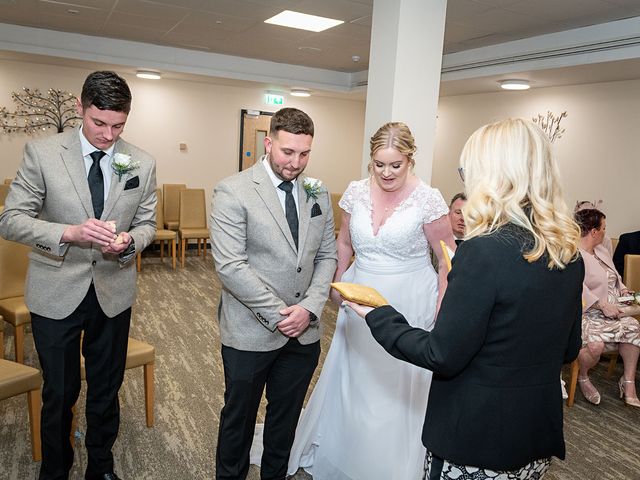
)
(4, 191)
(193, 221)
(8, 181)
(139, 354)
(632, 272)
(337, 211)
(614, 244)
(14, 261)
(16, 379)
(162, 235)
(171, 194)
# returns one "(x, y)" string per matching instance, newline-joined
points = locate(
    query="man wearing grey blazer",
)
(273, 244)
(84, 200)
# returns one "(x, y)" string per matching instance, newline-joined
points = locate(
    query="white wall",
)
(598, 154)
(203, 115)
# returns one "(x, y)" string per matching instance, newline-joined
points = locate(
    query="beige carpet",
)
(175, 312)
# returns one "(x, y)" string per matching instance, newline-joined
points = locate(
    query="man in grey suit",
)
(85, 218)
(273, 244)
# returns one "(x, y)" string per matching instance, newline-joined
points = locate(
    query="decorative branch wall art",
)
(551, 124)
(37, 112)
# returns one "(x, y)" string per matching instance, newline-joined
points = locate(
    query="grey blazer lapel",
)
(266, 191)
(117, 184)
(304, 215)
(74, 163)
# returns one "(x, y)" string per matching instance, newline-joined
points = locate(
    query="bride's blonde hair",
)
(511, 177)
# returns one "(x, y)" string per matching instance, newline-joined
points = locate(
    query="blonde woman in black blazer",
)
(511, 316)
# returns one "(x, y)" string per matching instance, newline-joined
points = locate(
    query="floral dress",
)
(598, 328)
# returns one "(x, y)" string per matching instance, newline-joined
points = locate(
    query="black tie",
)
(290, 210)
(96, 183)
(458, 241)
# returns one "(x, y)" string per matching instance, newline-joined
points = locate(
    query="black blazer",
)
(504, 330)
(628, 243)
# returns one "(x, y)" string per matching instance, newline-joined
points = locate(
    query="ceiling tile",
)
(100, 4)
(215, 22)
(554, 10)
(145, 8)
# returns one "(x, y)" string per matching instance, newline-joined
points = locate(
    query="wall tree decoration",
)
(37, 112)
(550, 123)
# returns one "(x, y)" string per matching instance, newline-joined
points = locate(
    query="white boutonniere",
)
(122, 163)
(312, 187)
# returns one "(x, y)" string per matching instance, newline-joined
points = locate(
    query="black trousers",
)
(286, 372)
(105, 351)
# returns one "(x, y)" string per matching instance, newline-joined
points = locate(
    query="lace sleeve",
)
(433, 205)
(349, 197)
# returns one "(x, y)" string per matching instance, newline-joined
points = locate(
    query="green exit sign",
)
(273, 99)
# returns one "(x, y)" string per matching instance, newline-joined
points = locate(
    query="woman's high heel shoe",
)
(593, 396)
(631, 401)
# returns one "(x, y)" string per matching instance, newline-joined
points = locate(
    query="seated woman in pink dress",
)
(604, 323)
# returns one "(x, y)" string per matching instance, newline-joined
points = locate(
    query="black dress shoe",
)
(104, 476)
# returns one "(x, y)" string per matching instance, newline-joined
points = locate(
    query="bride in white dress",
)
(364, 418)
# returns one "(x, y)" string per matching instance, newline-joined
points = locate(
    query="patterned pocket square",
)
(315, 210)
(132, 183)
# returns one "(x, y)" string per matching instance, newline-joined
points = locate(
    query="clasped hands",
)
(297, 321)
(97, 231)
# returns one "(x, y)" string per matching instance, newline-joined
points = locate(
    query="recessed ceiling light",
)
(514, 84)
(303, 21)
(300, 92)
(149, 74)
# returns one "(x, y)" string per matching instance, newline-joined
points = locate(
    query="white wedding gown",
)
(364, 419)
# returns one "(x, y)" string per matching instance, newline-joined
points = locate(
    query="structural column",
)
(404, 73)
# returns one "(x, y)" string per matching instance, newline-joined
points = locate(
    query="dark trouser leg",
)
(58, 346)
(245, 374)
(104, 348)
(287, 386)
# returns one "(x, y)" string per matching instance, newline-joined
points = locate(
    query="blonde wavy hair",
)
(396, 135)
(511, 176)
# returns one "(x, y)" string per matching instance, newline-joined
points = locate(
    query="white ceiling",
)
(236, 28)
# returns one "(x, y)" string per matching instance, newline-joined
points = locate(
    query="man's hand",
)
(296, 322)
(93, 230)
(119, 244)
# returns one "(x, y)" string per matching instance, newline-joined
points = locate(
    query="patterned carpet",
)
(175, 312)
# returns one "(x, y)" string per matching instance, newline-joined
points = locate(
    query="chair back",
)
(193, 211)
(614, 244)
(7, 181)
(4, 191)
(14, 260)
(159, 211)
(632, 272)
(171, 194)
(337, 211)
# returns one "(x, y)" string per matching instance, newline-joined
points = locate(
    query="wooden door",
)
(254, 126)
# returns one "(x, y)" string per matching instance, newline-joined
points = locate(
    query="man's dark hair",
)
(588, 219)
(291, 120)
(107, 91)
(458, 196)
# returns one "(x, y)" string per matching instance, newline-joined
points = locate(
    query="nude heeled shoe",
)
(594, 396)
(630, 401)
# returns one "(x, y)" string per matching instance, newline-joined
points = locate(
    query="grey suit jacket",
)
(259, 266)
(51, 192)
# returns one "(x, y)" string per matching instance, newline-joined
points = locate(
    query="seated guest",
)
(604, 324)
(509, 319)
(455, 216)
(586, 205)
(629, 243)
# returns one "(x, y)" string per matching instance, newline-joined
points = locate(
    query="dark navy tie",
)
(290, 210)
(96, 183)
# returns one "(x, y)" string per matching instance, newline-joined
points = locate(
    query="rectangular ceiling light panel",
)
(303, 21)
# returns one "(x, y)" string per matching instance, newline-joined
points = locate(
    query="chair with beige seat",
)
(171, 195)
(162, 235)
(14, 261)
(193, 220)
(337, 211)
(16, 379)
(139, 354)
(4, 191)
